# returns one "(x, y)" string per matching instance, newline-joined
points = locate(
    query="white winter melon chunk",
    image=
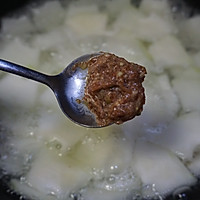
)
(97, 194)
(102, 152)
(18, 91)
(49, 40)
(196, 59)
(50, 174)
(113, 8)
(188, 92)
(48, 16)
(190, 31)
(169, 52)
(122, 182)
(26, 191)
(153, 28)
(121, 22)
(16, 160)
(47, 98)
(19, 52)
(159, 167)
(87, 21)
(182, 136)
(17, 26)
(56, 50)
(155, 6)
(57, 131)
(189, 73)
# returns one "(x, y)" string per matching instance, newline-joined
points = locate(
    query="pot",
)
(8, 8)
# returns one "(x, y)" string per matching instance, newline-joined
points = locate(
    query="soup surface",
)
(48, 157)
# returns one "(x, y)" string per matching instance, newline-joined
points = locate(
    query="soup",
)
(48, 157)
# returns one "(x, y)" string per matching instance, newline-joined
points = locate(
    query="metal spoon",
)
(67, 86)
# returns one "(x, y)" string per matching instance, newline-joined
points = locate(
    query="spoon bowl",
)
(68, 87)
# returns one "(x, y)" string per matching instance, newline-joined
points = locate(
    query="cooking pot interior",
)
(8, 7)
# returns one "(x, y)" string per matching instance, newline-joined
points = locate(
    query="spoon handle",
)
(24, 72)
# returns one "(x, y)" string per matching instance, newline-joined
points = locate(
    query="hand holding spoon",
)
(67, 86)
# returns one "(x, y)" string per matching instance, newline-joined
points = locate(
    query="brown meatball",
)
(114, 91)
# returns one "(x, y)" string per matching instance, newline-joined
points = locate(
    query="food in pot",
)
(114, 91)
(45, 156)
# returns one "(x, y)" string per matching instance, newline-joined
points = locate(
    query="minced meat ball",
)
(114, 91)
